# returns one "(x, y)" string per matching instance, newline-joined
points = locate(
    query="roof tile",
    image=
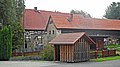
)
(79, 22)
(37, 20)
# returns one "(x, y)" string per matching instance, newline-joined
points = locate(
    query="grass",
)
(105, 59)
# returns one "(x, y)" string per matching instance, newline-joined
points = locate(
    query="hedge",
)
(47, 53)
(5, 43)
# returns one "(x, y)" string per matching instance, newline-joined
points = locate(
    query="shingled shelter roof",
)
(70, 38)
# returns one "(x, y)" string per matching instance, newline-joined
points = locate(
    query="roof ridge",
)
(54, 12)
(103, 19)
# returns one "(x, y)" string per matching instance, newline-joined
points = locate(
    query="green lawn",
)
(105, 59)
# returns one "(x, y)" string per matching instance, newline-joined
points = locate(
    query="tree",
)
(18, 36)
(5, 12)
(10, 15)
(82, 13)
(113, 11)
(5, 43)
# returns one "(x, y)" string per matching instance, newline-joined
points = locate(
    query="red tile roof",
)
(33, 20)
(79, 22)
(70, 38)
(38, 21)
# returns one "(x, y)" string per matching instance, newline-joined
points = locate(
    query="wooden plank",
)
(54, 53)
(86, 49)
(78, 51)
(70, 52)
(72, 55)
(65, 54)
(75, 52)
(60, 52)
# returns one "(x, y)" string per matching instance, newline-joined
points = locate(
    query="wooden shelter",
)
(72, 47)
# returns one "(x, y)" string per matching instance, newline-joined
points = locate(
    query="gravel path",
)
(114, 63)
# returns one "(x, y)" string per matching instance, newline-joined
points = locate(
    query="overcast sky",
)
(96, 8)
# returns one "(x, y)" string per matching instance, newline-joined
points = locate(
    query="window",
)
(53, 32)
(25, 45)
(51, 21)
(49, 32)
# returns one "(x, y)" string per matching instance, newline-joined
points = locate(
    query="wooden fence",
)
(35, 53)
(93, 54)
(102, 53)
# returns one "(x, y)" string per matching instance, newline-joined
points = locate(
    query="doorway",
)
(57, 52)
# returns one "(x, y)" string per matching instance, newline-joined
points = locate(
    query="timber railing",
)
(102, 53)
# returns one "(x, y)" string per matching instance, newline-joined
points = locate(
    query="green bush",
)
(113, 46)
(47, 53)
(5, 43)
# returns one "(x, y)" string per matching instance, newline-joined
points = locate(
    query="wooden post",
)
(114, 52)
(108, 53)
(102, 53)
(96, 53)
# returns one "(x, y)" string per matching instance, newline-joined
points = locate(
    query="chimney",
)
(35, 8)
(70, 18)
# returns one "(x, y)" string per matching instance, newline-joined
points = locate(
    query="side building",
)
(102, 31)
